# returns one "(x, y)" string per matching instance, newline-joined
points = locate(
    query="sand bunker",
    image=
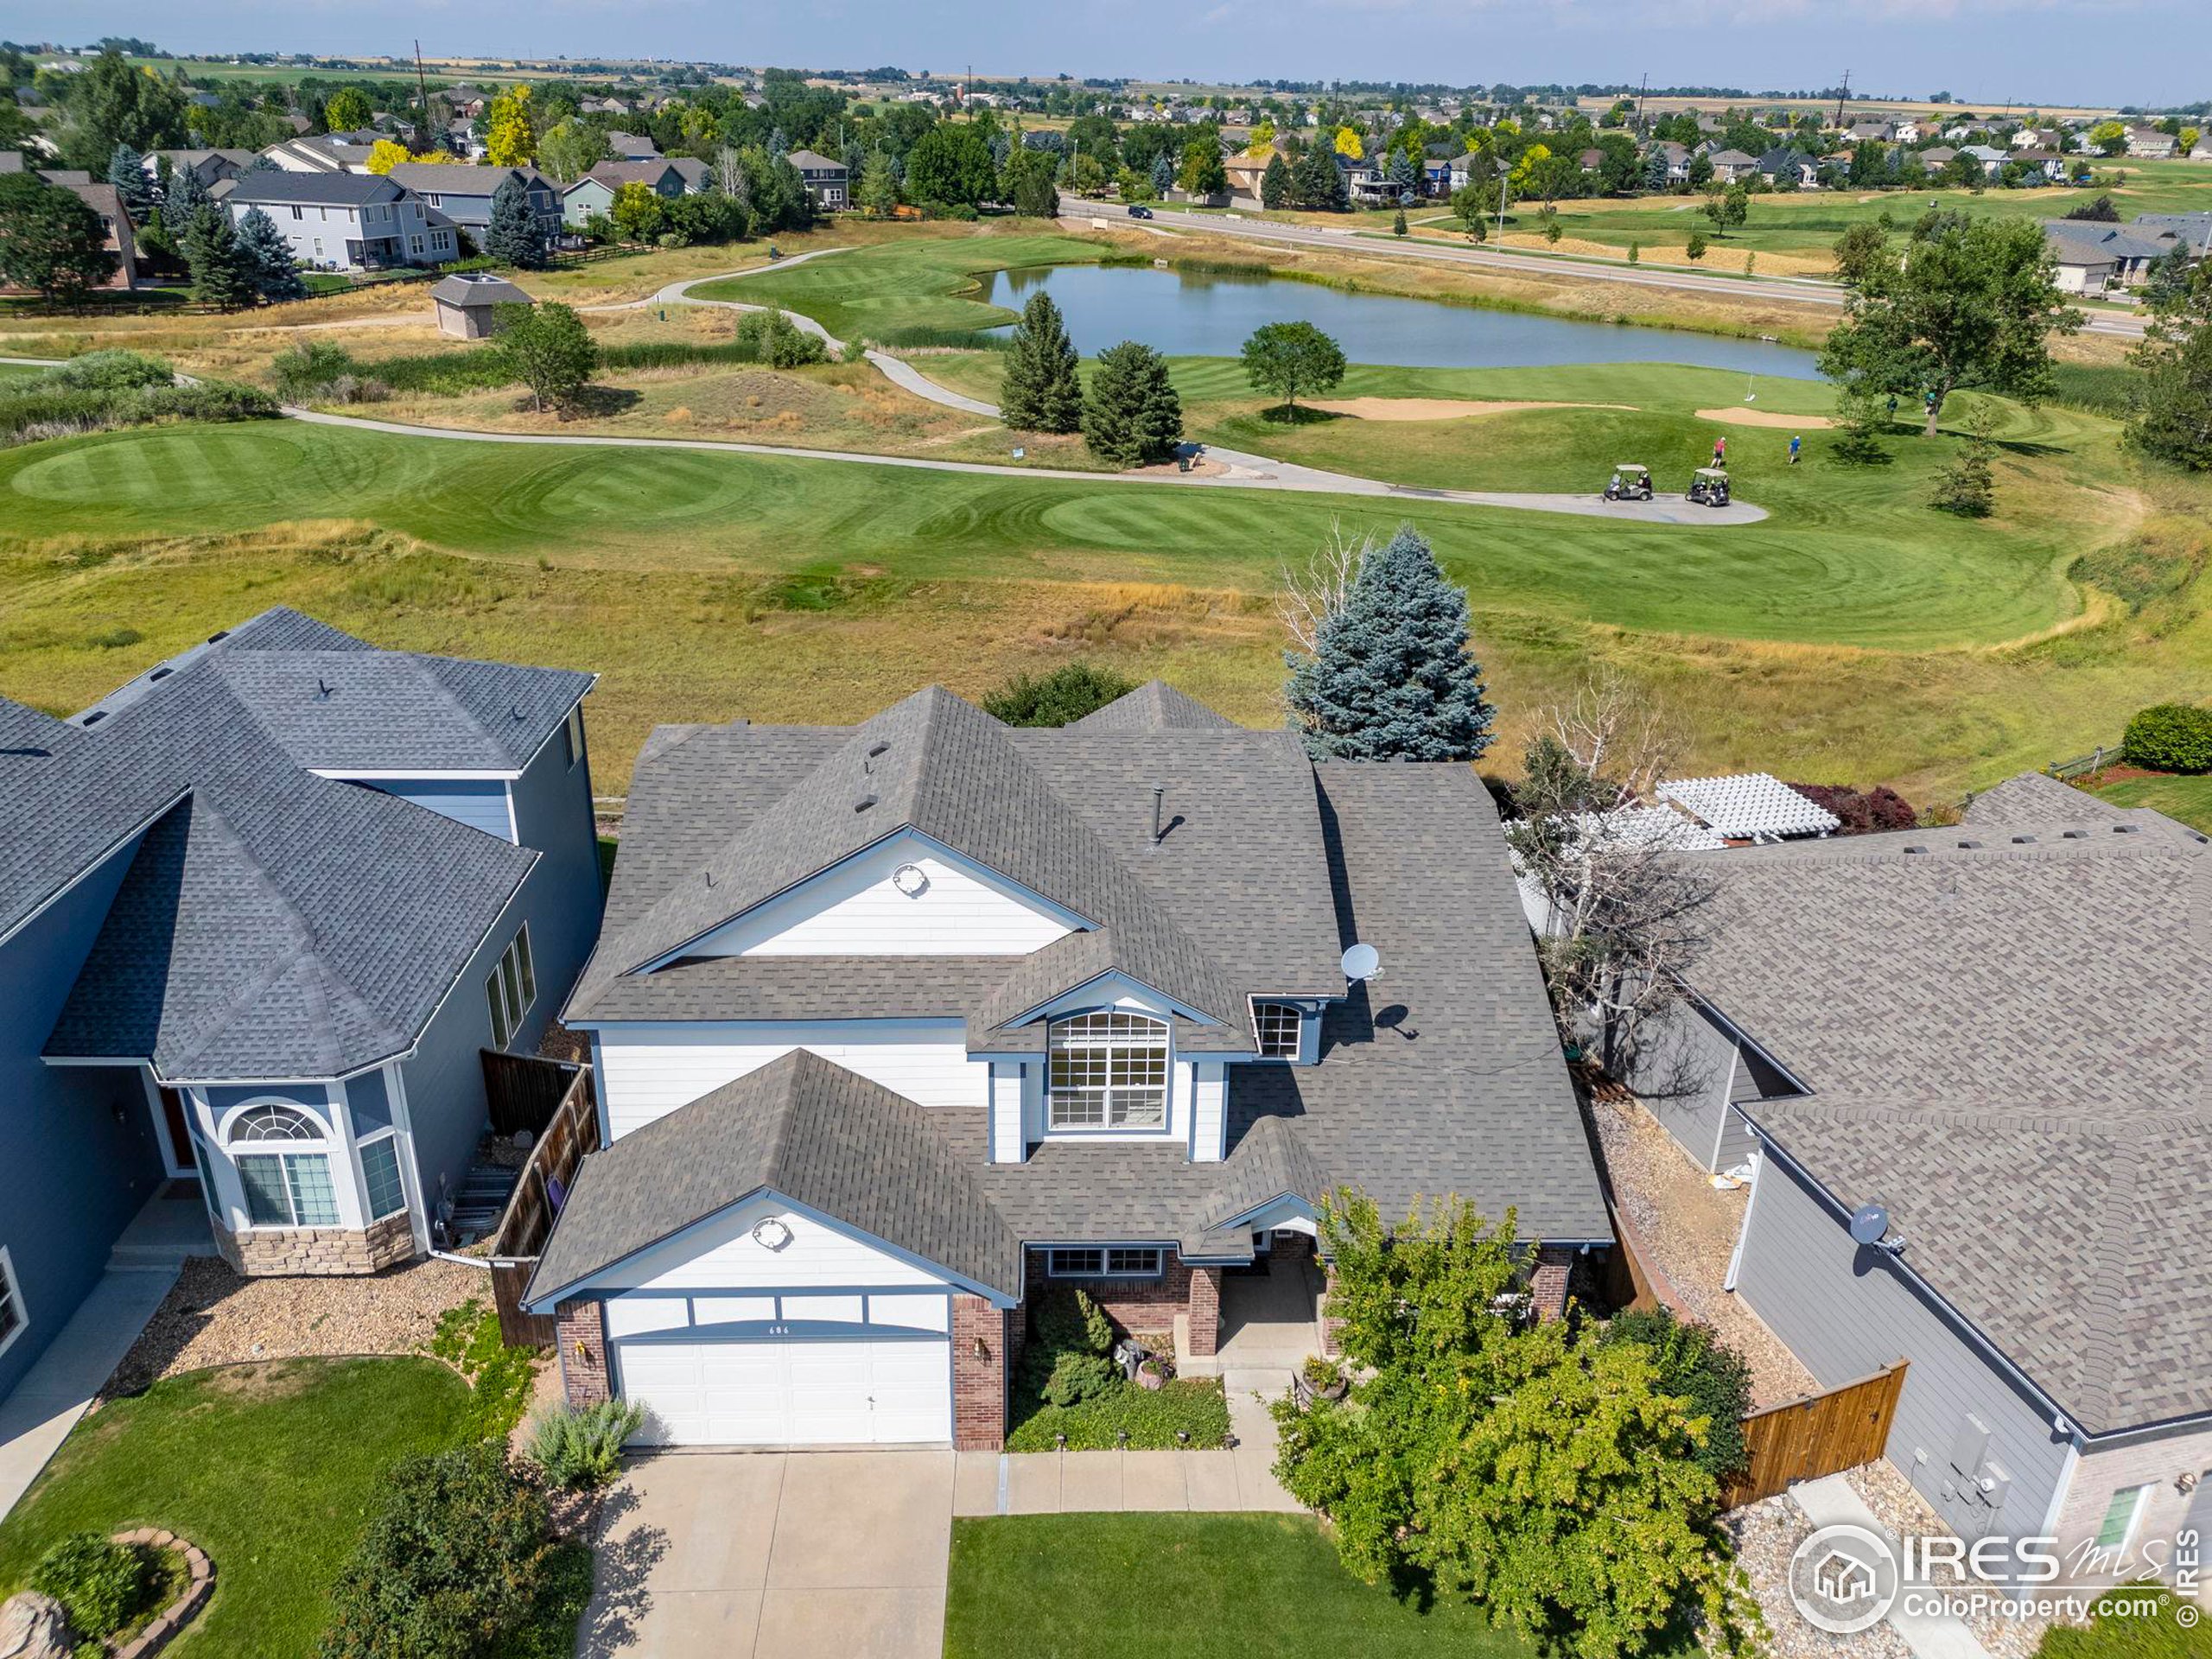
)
(1436, 408)
(1740, 416)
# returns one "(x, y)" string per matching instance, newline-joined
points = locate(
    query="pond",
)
(1193, 314)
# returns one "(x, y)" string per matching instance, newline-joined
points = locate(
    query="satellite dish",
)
(1361, 962)
(1870, 1224)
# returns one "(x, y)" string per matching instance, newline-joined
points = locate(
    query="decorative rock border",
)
(173, 1618)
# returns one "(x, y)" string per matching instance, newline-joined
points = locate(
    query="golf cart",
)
(1710, 487)
(1631, 482)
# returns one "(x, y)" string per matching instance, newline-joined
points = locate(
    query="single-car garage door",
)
(791, 1370)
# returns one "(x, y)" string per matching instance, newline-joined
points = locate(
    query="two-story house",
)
(827, 180)
(896, 1026)
(346, 221)
(1963, 1072)
(463, 193)
(594, 192)
(260, 909)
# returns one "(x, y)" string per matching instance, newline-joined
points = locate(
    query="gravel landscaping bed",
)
(1883, 1489)
(1689, 1230)
(213, 1317)
(1767, 1534)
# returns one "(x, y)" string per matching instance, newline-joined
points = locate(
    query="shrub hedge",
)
(2170, 737)
(101, 1584)
(103, 391)
(1693, 1363)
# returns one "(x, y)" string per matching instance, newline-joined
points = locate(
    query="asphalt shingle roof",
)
(312, 189)
(805, 1129)
(270, 923)
(2002, 1027)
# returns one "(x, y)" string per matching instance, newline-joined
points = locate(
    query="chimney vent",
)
(1158, 826)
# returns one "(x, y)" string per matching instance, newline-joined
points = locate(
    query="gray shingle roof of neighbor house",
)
(808, 1130)
(1441, 1077)
(312, 189)
(471, 289)
(807, 162)
(271, 923)
(463, 178)
(2002, 1026)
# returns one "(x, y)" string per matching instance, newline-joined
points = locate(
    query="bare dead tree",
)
(1623, 901)
(1306, 600)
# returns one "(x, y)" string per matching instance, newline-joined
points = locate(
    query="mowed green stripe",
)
(650, 510)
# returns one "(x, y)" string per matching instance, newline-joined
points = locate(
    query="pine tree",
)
(222, 275)
(1390, 677)
(511, 236)
(268, 258)
(1132, 415)
(126, 171)
(1655, 171)
(1163, 175)
(1041, 392)
(1274, 183)
(187, 196)
(1968, 486)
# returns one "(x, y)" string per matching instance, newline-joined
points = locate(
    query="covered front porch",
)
(1269, 1316)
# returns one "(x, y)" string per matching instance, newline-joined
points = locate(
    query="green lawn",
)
(272, 1469)
(1184, 1586)
(926, 283)
(2189, 799)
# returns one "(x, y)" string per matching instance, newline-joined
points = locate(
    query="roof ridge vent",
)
(1916, 850)
(2073, 834)
(864, 802)
(2127, 829)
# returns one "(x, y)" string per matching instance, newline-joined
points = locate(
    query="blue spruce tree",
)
(1390, 677)
(187, 196)
(126, 171)
(511, 235)
(1163, 175)
(268, 257)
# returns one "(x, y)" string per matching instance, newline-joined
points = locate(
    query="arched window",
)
(1109, 1070)
(282, 1189)
(273, 1124)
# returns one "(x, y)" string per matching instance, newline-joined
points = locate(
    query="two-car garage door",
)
(854, 1390)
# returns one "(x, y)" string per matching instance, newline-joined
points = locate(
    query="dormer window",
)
(1109, 1070)
(1277, 1026)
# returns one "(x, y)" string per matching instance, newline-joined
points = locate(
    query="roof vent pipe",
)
(1158, 829)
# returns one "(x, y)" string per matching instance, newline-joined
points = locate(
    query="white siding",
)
(857, 910)
(723, 1255)
(1209, 1138)
(648, 1071)
(1009, 1145)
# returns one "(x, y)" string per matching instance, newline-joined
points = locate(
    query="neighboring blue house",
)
(259, 909)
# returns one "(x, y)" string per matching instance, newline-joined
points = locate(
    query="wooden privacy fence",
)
(523, 1091)
(1819, 1434)
(571, 1132)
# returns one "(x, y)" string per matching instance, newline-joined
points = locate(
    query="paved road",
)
(1788, 290)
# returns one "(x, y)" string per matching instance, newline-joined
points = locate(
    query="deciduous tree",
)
(1131, 415)
(1388, 675)
(1202, 172)
(49, 240)
(509, 139)
(951, 164)
(347, 109)
(2171, 420)
(548, 348)
(1041, 392)
(571, 149)
(1286, 358)
(383, 156)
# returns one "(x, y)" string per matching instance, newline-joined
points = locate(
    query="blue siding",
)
(75, 1176)
(369, 1103)
(307, 1096)
(560, 900)
(481, 803)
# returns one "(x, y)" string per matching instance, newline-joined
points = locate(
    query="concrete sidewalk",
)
(1830, 1502)
(58, 1391)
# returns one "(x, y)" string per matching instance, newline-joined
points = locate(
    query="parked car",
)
(1138, 210)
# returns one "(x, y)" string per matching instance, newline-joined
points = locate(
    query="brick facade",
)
(2161, 1464)
(981, 1353)
(1548, 1283)
(580, 1341)
(1206, 1311)
(1140, 1306)
(327, 1252)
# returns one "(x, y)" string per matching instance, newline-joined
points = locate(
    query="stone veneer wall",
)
(580, 1339)
(272, 1252)
(982, 1353)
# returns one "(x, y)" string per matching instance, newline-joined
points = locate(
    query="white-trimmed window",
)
(382, 1192)
(1277, 1024)
(572, 734)
(2121, 1515)
(13, 1320)
(511, 987)
(287, 1188)
(1106, 1261)
(1109, 1070)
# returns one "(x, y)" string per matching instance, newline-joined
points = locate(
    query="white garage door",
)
(790, 1391)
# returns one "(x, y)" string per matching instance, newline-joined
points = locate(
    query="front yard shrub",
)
(2170, 737)
(1693, 1363)
(1064, 694)
(1076, 1377)
(1863, 811)
(467, 1339)
(780, 342)
(1151, 1417)
(583, 1449)
(101, 1584)
(453, 1564)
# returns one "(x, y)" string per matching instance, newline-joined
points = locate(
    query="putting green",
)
(1827, 582)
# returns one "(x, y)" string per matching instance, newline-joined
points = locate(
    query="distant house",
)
(1866, 132)
(101, 198)
(2094, 257)
(346, 221)
(2149, 144)
(322, 153)
(1246, 173)
(1678, 159)
(1794, 164)
(1730, 165)
(1991, 159)
(464, 302)
(2192, 231)
(826, 181)
(630, 146)
(210, 166)
(463, 193)
(594, 192)
(1936, 158)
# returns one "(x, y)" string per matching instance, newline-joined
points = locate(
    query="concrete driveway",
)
(727, 1555)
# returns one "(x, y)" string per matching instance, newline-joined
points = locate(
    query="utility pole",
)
(1842, 95)
(423, 88)
(1640, 92)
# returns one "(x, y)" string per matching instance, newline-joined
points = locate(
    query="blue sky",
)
(1987, 52)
